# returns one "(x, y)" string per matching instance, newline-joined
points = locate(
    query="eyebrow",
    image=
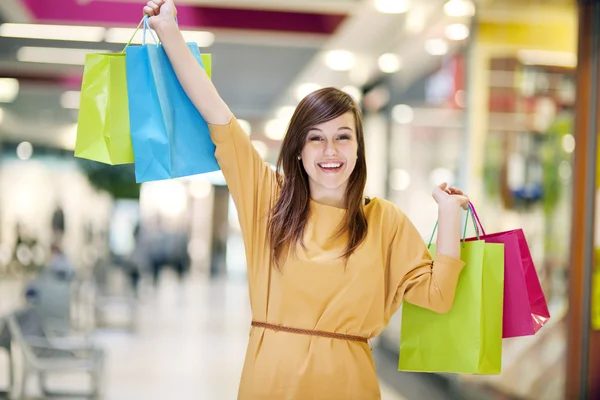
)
(339, 129)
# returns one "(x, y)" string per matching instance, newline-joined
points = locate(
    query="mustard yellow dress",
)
(315, 291)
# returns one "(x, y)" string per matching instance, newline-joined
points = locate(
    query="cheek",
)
(308, 155)
(351, 156)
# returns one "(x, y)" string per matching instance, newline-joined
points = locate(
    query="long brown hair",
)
(288, 216)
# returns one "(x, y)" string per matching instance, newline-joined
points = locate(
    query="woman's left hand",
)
(445, 195)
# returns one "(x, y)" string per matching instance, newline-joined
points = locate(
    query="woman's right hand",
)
(160, 11)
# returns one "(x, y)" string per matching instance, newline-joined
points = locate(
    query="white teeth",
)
(330, 165)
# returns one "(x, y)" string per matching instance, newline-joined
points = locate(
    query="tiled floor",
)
(190, 344)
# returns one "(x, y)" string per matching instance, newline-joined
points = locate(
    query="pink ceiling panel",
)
(129, 14)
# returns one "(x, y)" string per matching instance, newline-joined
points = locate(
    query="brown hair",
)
(288, 216)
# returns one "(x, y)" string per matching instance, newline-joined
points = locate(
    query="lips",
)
(331, 166)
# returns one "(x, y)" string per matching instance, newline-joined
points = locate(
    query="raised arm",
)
(414, 276)
(250, 179)
(191, 75)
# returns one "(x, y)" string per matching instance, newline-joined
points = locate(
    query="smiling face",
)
(329, 156)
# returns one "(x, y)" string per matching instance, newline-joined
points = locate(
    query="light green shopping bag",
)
(103, 122)
(468, 339)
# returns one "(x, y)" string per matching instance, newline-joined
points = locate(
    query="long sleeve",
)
(414, 276)
(250, 179)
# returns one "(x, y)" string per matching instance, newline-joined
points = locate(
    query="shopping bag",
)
(525, 307)
(169, 136)
(103, 121)
(596, 300)
(467, 339)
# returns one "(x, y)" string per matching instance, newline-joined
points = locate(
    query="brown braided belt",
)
(331, 335)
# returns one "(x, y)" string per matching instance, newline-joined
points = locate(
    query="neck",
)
(331, 197)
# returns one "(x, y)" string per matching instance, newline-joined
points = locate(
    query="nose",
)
(331, 148)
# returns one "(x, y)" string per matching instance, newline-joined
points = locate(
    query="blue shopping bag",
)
(170, 138)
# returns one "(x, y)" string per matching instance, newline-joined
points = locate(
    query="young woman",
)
(327, 268)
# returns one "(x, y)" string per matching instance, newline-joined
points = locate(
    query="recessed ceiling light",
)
(389, 63)
(70, 99)
(436, 47)
(457, 32)
(305, 89)
(340, 60)
(392, 6)
(53, 55)
(53, 32)
(9, 89)
(275, 129)
(459, 8)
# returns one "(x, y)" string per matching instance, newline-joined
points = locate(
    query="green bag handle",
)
(464, 231)
(134, 32)
(143, 21)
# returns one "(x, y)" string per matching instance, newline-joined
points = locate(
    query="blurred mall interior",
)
(497, 97)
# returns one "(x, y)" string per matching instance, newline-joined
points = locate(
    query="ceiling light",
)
(392, 6)
(24, 151)
(305, 89)
(340, 60)
(568, 143)
(202, 38)
(70, 99)
(459, 8)
(389, 63)
(261, 148)
(275, 128)
(436, 47)
(68, 137)
(353, 91)
(53, 55)
(123, 35)
(415, 21)
(403, 114)
(440, 175)
(245, 125)
(9, 89)
(53, 32)
(457, 32)
(286, 112)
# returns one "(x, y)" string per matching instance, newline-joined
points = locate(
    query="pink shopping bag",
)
(525, 308)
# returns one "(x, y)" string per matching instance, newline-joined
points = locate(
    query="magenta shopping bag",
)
(525, 307)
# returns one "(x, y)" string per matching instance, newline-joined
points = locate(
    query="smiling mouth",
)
(330, 166)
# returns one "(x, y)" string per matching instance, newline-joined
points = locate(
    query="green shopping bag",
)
(103, 121)
(468, 339)
(103, 132)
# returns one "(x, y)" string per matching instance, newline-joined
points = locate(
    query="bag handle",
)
(136, 31)
(144, 22)
(472, 207)
(464, 231)
(147, 28)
